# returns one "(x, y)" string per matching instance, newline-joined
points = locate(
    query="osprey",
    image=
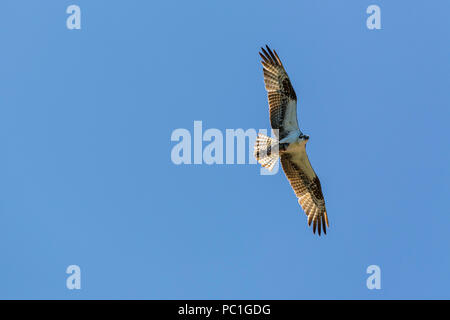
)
(290, 142)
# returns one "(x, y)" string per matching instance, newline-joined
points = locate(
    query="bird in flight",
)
(289, 143)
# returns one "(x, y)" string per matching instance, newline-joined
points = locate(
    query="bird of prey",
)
(289, 143)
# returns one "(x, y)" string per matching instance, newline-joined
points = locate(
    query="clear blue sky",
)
(85, 171)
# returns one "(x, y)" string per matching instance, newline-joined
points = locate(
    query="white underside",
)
(296, 146)
(290, 122)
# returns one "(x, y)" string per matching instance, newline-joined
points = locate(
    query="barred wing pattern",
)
(281, 94)
(308, 192)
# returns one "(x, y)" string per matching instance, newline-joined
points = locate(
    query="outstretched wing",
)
(282, 97)
(307, 188)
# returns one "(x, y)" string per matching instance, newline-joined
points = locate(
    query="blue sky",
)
(86, 176)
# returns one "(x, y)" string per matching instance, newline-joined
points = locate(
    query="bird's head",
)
(304, 137)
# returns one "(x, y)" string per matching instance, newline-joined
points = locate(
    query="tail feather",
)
(266, 151)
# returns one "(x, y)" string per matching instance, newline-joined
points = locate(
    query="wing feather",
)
(308, 192)
(281, 94)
